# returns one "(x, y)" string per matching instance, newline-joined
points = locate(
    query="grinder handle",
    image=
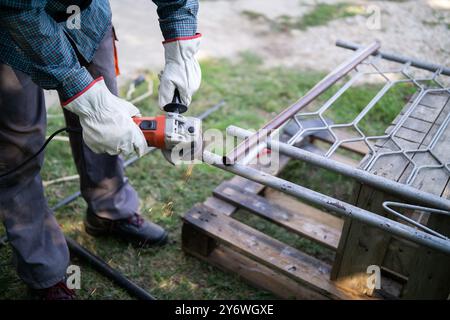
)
(153, 129)
(175, 106)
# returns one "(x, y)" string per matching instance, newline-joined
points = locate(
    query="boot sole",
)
(93, 231)
(97, 232)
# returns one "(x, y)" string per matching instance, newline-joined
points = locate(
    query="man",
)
(38, 49)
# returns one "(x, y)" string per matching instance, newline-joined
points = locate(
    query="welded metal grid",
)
(375, 153)
(372, 142)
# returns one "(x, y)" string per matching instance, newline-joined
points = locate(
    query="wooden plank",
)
(425, 114)
(335, 156)
(243, 183)
(364, 245)
(308, 271)
(257, 274)
(399, 257)
(417, 125)
(294, 221)
(430, 277)
(195, 241)
(291, 203)
(358, 147)
(434, 100)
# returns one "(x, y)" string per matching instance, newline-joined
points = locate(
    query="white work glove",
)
(106, 121)
(182, 70)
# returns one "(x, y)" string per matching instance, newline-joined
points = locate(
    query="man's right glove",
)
(107, 121)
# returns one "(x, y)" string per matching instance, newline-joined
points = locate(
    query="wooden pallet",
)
(212, 234)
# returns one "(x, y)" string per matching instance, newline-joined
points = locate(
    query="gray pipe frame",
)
(331, 204)
(398, 58)
(401, 190)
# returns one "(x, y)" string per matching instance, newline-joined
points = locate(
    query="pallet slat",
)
(256, 273)
(294, 264)
(293, 221)
(358, 146)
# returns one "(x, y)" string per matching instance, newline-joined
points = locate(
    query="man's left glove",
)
(181, 71)
(107, 121)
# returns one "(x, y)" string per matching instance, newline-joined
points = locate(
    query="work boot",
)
(135, 230)
(59, 291)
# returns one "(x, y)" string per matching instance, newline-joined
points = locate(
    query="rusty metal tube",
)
(312, 94)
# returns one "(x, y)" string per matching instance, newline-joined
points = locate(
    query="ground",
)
(259, 56)
(298, 33)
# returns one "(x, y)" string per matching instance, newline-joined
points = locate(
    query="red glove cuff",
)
(197, 35)
(65, 103)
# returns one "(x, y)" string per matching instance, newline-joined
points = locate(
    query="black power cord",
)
(50, 138)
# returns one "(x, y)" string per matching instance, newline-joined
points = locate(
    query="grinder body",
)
(178, 137)
(154, 130)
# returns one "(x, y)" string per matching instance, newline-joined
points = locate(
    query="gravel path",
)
(415, 28)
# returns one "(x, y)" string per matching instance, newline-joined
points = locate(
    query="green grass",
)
(253, 95)
(320, 15)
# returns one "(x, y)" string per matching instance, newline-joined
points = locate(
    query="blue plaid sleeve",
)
(177, 18)
(43, 50)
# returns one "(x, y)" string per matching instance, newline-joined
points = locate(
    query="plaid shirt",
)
(34, 42)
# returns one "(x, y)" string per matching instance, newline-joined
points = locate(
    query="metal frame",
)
(379, 182)
(291, 111)
(236, 162)
(332, 204)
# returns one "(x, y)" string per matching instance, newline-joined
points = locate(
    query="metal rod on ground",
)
(3, 241)
(103, 268)
(331, 204)
(393, 187)
(96, 262)
(312, 94)
(398, 58)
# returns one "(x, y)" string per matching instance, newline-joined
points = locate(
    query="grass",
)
(253, 95)
(320, 15)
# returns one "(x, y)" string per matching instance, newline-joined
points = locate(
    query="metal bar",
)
(317, 90)
(393, 187)
(331, 204)
(398, 58)
(3, 240)
(103, 268)
(388, 204)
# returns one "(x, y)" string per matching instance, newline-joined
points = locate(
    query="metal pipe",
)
(312, 94)
(388, 204)
(379, 182)
(398, 58)
(331, 204)
(3, 240)
(103, 268)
